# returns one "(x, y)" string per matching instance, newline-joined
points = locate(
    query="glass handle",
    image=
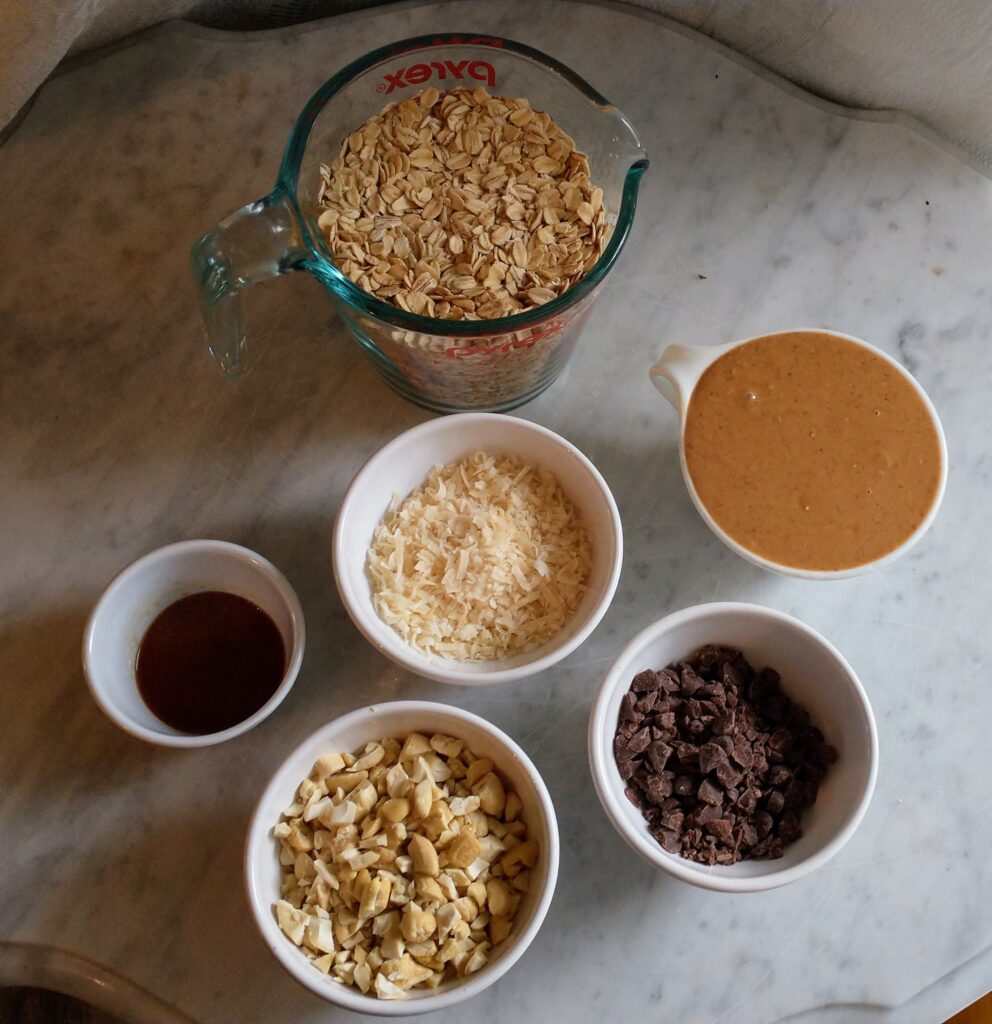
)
(257, 242)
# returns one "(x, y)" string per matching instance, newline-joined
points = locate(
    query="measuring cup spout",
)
(676, 372)
(257, 242)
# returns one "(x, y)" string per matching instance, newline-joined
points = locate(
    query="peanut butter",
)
(812, 451)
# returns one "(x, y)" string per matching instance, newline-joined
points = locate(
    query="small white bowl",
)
(814, 674)
(350, 733)
(149, 585)
(403, 464)
(675, 376)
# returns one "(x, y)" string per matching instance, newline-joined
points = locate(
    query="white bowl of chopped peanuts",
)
(477, 549)
(470, 940)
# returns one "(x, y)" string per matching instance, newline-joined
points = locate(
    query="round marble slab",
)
(760, 210)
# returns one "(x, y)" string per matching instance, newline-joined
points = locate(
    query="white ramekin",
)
(136, 596)
(814, 674)
(403, 464)
(350, 733)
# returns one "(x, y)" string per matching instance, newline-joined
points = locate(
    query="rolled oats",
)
(462, 206)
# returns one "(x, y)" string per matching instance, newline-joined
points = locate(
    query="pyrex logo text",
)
(417, 74)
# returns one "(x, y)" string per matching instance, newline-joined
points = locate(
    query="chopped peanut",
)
(424, 856)
(499, 928)
(477, 769)
(462, 850)
(418, 925)
(395, 810)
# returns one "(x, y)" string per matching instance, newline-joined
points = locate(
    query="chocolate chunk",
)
(809, 737)
(780, 740)
(645, 705)
(687, 753)
(640, 741)
(669, 680)
(627, 769)
(743, 753)
(732, 676)
(690, 681)
(645, 681)
(721, 828)
(764, 685)
(658, 787)
(694, 709)
(778, 776)
(748, 799)
(670, 840)
(633, 796)
(684, 785)
(627, 712)
(673, 820)
(788, 828)
(658, 755)
(774, 802)
(725, 743)
(770, 848)
(727, 775)
(710, 793)
(714, 691)
(796, 717)
(704, 813)
(724, 723)
(710, 656)
(710, 755)
(692, 838)
(775, 708)
(795, 794)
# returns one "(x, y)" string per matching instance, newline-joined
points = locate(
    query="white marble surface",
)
(118, 435)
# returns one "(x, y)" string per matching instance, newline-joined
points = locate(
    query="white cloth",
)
(931, 59)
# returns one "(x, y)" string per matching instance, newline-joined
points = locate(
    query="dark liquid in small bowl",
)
(209, 661)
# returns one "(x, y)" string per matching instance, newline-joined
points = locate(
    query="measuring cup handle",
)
(257, 242)
(676, 372)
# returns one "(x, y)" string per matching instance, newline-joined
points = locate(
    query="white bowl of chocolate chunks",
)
(733, 747)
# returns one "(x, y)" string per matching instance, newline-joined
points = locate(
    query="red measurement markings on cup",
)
(417, 74)
(492, 346)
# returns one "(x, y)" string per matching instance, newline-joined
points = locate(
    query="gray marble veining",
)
(760, 211)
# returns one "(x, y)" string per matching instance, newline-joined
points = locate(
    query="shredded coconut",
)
(486, 559)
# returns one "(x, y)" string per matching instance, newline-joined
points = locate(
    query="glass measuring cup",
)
(445, 365)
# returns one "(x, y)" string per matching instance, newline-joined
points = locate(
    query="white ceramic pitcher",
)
(676, 374)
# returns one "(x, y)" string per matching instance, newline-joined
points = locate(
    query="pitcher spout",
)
(680, 366)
